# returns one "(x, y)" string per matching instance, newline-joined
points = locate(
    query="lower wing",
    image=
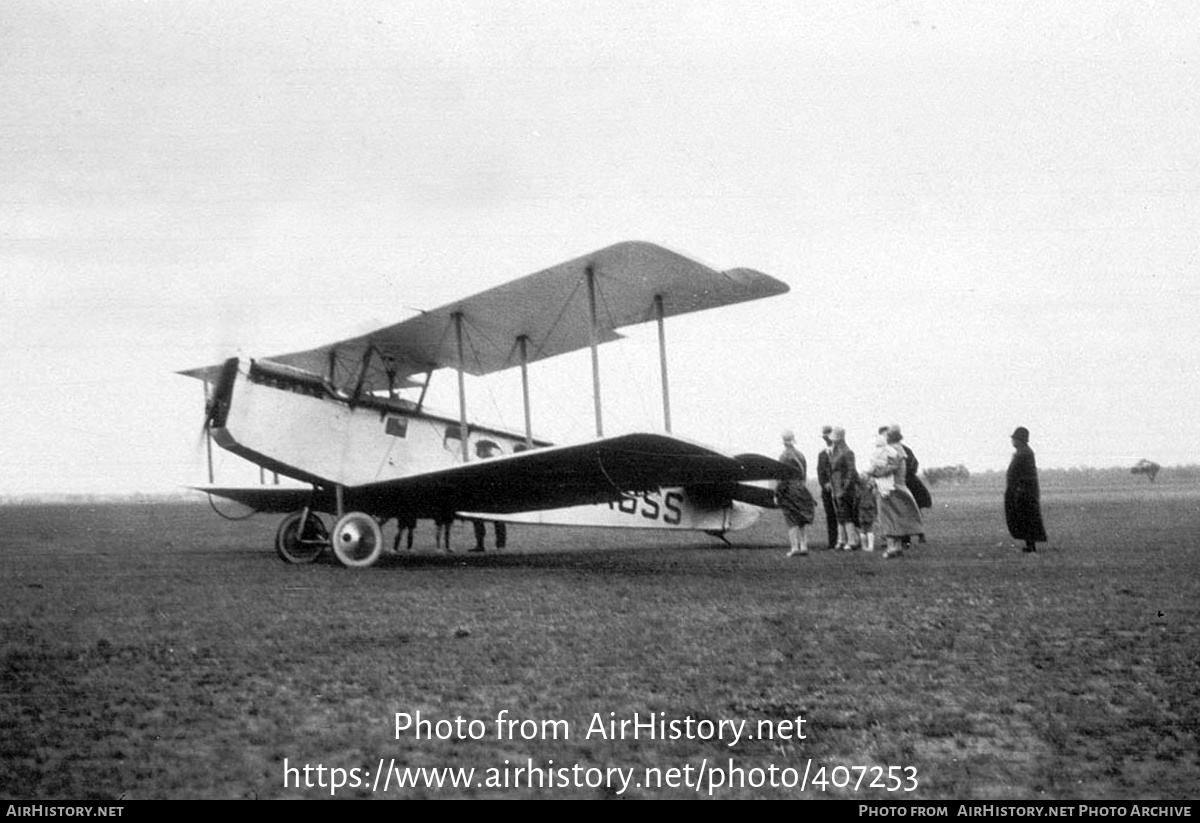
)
(554, 477)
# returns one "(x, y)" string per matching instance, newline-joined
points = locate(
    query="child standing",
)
(867, 509)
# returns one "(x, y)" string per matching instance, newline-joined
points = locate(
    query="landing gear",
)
(357, 540)
(294, 546)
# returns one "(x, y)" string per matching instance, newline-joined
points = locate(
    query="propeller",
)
(218, 404)
(217, 407)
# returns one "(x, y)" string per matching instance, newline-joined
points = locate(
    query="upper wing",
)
(559, 476)
(548, 309)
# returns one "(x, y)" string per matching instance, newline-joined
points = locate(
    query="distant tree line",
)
(947, 474)
(1109, 477)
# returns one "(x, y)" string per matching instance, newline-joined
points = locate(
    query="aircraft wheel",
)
(289, 545)
(357, 540)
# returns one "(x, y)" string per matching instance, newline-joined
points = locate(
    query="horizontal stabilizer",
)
(754, 495)
(272, 499)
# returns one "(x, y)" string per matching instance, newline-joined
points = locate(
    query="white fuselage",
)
(303, 433)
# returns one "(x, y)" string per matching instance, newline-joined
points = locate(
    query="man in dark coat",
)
(825, 481)
(1022, 495)
(843, 486)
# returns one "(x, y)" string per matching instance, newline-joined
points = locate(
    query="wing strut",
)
(462, 386)
(594, 339)
(522, 342)
(362, 372)
(662, 359)
(424, 388)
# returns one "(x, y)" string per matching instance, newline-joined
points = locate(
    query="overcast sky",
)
(988, 214)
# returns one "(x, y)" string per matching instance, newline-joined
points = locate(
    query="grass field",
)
(157, 651)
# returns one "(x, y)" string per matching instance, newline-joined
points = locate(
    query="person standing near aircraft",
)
(405, 524)
(843, 481)
(442, 524)
(1022, 494)
(824, 480)
(899, 516)
(911, 478)
(868, 509)
(793, 497)
(499, 526)
(486, 449)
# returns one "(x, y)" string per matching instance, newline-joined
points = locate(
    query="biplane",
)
(348, 419)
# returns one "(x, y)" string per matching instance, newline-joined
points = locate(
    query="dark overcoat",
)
(844, 479)
(1023, 497)
(913, 480)
(824, 478)
(824, 472)
(792, 494)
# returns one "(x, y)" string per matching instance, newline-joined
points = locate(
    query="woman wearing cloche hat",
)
(793, 496)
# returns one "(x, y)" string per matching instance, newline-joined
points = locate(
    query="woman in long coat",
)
(1022, 494)
(794, 498)
(899, 517)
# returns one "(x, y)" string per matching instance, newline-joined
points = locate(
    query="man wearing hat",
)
(843, 487)
(825, 481)
(1022, 494)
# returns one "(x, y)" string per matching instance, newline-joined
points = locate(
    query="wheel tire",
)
(357, 540)
(287, 540)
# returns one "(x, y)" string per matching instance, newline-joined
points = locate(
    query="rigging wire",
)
(558, 319)
(470, 339)
(230, 517)
(622, 353)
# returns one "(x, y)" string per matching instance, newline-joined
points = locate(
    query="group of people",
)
(889, 493)
(406, 525)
